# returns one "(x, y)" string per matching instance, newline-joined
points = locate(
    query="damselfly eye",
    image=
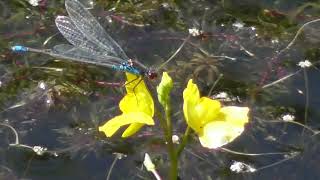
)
(152, 75)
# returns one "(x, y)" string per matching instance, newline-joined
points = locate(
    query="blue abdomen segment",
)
(19, 48)
(127, 68)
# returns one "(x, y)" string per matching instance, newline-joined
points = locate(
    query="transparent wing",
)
(92, 30)
(75, 36)
(77, 54)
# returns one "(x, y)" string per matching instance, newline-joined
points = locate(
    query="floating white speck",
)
(39, 150)
(305, 63)
(109, 19)
(165, 5)
(194, 32)
(91, 3)
(270, 138)
(275, 41)
(49, 101)
(34, 2)
(288, 117)
(238, 25)
(240, 167)
(222, 95)
(175, 139)
(42, 85)
(119, 155)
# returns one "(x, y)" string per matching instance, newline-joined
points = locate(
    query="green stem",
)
(167, 130)
(172, 153)
(166, 126)
(306, 109)
(162, 122)
(184, 141)
(174, 166)
(168, 122)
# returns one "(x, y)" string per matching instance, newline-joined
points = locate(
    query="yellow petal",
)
(219, 133)
(198, 111)
(204, 111)
(138, 102)
(135, 84)
(110, 127)
(191, 97)
(191, 92)
(132, 129)
(207, 109)
(138, 98)
(215, 126)
(238, 116)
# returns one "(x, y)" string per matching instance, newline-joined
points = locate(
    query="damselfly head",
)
(152, 74)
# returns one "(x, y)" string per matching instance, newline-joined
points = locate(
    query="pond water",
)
(249, 50)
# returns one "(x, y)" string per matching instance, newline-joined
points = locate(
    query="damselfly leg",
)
(116, 84)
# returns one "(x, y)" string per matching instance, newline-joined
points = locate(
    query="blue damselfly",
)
(89, 43)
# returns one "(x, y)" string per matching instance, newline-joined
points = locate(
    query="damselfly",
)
(90, 43)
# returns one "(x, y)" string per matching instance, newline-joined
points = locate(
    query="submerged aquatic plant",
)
(215, 125)
(202, 66)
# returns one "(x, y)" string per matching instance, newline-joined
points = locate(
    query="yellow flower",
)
(215, 125)
(137, 109)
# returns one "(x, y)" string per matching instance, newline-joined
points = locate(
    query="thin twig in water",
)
(175, 53)
(290, 44)
(211, 55)
(199, 157)
(292, 122)
(214, 84)
(306, 109)
(276, 163)
(6, 168)
(288, 76)
(28, 165)
(253, 154)
(204, 51)
(49, 39)
(246, 51)
(118, 156)
(280, 80)
(14, 131)
(297, 34)
(17, 144)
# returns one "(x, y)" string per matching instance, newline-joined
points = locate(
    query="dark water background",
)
(64, 117)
